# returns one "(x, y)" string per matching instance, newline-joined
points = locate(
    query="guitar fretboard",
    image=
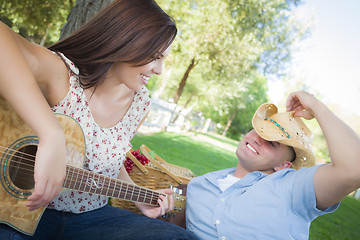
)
(90, 182)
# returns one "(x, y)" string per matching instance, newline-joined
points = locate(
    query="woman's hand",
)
(166, 204)
(49, 171)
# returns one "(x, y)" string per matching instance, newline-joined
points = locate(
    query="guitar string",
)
(143, 195)
(139, 189)
(31, 159)
(132, 192)
(113, 182)
(16, 151)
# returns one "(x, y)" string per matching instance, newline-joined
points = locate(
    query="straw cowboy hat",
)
(287, 129)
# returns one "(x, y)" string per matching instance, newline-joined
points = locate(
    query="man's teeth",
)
(251, 148)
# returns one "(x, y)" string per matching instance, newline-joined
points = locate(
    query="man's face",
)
(257, 154)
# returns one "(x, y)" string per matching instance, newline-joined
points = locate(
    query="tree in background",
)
(219, 60)
(37, 20)
(223, 47)
(81, 13)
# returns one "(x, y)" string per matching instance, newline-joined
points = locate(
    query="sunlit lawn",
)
(199, 152)
(203, 153)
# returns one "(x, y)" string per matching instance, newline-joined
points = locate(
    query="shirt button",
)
(223, 199)
(223, 238)
(218, 221)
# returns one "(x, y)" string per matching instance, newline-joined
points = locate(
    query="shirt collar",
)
(248, 180)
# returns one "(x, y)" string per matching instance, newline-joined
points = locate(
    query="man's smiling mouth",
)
(251, 148)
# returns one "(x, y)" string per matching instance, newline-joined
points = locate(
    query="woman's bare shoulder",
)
(48, 69)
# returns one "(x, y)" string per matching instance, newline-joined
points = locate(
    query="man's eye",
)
(272, 144)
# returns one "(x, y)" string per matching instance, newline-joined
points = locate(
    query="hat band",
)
(278, 125)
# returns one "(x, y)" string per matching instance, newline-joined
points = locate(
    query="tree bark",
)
(80, 14)
(183, 80)
(165, 78)
(43, 40)
(230, 120)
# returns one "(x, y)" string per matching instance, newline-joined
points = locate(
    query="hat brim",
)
(286, 129)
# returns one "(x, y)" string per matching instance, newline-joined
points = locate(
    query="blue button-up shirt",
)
(259, 206)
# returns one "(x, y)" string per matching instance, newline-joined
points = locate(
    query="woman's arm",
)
(21, 90)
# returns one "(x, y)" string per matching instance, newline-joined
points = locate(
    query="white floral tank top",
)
(105, 147)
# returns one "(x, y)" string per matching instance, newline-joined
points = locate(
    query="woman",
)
(97, 76)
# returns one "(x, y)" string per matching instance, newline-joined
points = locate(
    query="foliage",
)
(38, 20)
(235, 43)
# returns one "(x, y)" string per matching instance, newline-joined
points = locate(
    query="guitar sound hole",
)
(21, 169)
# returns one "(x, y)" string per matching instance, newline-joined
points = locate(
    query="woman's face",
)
(135, 77)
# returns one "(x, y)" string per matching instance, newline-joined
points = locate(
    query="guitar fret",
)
(86, 185)
(113, 192)
(82, 179)
(146, 197)
(144, 192)
(97, 184)
(104, 186)
(139, 192)
(73, 177)
(83, 183)
(143, 195)
(80, 171)
(126, 192)
(87, 181)
(108, 187)
(132, 193)
(68, 185)
(154, 200)
(65, 184)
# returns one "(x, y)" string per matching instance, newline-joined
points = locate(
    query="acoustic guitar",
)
(18, 146)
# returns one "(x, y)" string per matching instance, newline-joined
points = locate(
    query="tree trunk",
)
(43, 40)
(80, 14)
(230, 120)
(165, 78)
(183, 80)
(188, 101)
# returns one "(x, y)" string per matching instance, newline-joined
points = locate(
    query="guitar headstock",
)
(179, 200)
(177, 216)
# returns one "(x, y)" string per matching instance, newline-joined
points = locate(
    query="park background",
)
(228, 58)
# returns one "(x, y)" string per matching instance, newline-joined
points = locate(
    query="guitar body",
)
(18, 145)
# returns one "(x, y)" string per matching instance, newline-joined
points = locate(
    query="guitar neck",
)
(87, 181)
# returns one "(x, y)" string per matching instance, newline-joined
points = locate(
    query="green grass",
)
(197, 152)
(342, 224)
(204, 153)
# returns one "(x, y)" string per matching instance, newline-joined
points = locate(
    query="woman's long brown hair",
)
(131, 31)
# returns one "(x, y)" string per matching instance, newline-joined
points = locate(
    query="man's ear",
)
(286, 164)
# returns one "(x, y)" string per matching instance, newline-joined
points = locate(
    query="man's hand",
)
(302, 103)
